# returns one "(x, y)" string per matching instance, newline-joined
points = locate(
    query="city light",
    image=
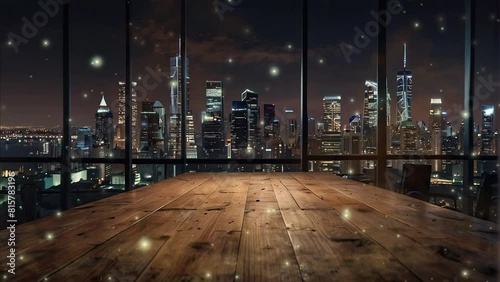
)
(489, 111)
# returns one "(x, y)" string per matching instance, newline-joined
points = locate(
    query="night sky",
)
(256, 46)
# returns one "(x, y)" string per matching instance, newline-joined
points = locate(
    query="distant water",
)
(14, 148)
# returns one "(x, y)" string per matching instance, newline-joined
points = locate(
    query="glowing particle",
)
(346, 214)
(49, 236)
(465, 273)
(97, 62)
(274, 71)
(45, 43)
(144, 244)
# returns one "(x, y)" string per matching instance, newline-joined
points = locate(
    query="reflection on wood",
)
(256, 227)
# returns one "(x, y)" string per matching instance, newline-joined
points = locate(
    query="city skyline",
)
(245, 54)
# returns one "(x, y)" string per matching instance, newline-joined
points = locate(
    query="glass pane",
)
(485, 191)
(356, 170)
(244, 79)
(487, 82)
(235, 166)
(153, 173)
(92, 182)
(416, 178)
(156, 68)
(425, 71)
(97, 78)
(342, 87)
(30, 76)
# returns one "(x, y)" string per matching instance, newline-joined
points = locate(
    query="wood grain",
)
(256, 227)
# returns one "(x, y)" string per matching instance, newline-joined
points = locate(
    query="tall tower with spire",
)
(176, 118)
(404, 91)
(103, 126)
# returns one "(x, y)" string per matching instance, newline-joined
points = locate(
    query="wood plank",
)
(419, 254)
(442, 223)
(195, 198)
(125, 256)
(30, 234)
(91, 234)
(257, 227)
(266, 252)
(335, 251)
(206, 244)
(404, 202)
(120, 265)
(304, 198)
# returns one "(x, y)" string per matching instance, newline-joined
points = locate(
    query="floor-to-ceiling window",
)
(219, 86)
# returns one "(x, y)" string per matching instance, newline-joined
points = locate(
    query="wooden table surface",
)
(255, 227)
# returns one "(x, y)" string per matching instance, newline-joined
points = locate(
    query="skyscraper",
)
(409, 137)
(331, 113)
(215, 98)
(213, 121)
(162, 124)
(370, 118)
(239, 129)
(352, 145)
(436, 123)
(175, 122)
(150, 130)
(404, 93)
(84, 142)
(104, 126)
(269, 115)
(488, 130)
(331, 137)
(252, 100)
(120, 128)
(290, 133)
(103, 142)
